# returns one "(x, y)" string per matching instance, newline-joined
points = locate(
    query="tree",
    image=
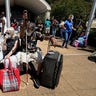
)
(62, 8)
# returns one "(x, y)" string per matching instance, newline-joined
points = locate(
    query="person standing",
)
(68, 26)
(4, 23)
(61, 28)
(47, 26)
(54, 26)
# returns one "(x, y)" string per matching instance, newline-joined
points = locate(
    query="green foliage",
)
(62, 8)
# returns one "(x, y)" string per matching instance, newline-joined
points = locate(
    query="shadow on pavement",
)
(86, 49)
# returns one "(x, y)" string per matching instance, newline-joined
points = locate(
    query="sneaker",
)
(66, 47)
(36, 83)
(62, 46)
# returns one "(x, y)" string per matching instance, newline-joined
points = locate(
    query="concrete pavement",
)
(78, 76)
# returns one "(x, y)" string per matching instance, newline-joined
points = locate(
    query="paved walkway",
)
(78, 77)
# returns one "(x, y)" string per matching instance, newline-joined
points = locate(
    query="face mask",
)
(29, 33)
(7, 36)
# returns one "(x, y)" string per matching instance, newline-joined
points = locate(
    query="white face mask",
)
(29, 33)
(7, 36)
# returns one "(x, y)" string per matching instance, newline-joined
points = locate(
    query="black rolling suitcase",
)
(52, 66)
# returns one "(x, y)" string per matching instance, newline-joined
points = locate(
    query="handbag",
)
(9, 78)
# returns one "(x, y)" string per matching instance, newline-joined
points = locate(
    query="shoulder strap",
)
(10, 64)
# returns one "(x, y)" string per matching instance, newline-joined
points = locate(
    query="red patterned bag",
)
(9, 78)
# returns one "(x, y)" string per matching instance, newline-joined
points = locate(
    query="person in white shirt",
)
(61, 28)
(4, 23)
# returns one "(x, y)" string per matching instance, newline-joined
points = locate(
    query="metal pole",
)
(91, 18)
(8, 12)
(27, 66)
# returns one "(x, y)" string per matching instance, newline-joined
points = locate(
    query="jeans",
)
(67, 36)
(53, 31)
(61, 32)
